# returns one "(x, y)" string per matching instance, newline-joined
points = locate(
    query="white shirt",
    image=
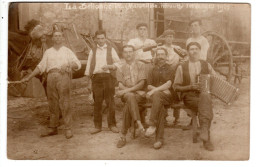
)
(139, 54)
(101, 59)
(203, 43)
(53, 58)
(173, 57)
(194, 71)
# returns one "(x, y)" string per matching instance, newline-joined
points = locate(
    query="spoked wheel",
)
(219, 54)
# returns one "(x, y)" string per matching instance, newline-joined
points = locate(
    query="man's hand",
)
(88, 81)
(64, 68)
(26, 79)
(195, 86)
(149, 94)
(120, 93)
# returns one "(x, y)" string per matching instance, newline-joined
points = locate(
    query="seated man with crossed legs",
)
(131, 78)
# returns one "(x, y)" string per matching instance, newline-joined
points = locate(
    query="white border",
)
(254, 113)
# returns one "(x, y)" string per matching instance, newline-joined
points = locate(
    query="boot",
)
(49, 132)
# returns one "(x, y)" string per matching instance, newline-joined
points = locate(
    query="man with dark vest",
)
(198, 102)
(101, 69)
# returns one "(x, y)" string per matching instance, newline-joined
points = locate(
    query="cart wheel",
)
(219, 54)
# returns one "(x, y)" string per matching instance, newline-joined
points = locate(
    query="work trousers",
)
(132, 110)
(58, 93)
(103, 88)
(158, 112)
(201, 105)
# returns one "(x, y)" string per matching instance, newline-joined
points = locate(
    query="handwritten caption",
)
(109, 6)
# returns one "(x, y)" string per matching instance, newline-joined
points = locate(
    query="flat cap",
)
(141, 25)
(168, 32)
(195, 20)
(193, 43)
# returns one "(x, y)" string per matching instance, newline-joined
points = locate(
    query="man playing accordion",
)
(197, 101)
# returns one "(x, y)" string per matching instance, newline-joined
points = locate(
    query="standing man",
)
(142, 42)
(159, 82)
(173, 57)
(101, 69)
(131, 78)
(199, 102)
(173, 61)
(195, 26)
(58, 61)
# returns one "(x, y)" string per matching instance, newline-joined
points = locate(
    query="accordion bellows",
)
(218, 87)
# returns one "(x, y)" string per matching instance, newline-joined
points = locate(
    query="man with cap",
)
(159, 83)
(198, 102)
(131, 77)
(140, 44)
(173, 60)
(173, 57)
(195, 26)
(101, 71)
(58, 61)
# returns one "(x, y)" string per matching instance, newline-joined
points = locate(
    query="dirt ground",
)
(27, 117)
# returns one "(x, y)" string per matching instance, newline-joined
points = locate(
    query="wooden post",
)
(100, 17)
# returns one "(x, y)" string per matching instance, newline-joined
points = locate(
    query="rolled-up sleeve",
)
(42, 66)
(89, 62)
(116, 60)
(178, 77)
(73, 59)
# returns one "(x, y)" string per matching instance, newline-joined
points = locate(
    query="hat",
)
(193, 43)
(168, 32)
(195, 20)
(37, 32)
(141, 25)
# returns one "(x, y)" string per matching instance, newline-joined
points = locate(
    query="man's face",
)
(142, 31)
(161, 56)
(57, 37)
(195, 27)
(128, 54)
(194, 52)
(101, 39)
(168, 39)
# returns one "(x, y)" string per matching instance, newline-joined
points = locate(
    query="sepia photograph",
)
(128, 81)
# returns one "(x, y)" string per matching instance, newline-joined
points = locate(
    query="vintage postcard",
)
(128, 81)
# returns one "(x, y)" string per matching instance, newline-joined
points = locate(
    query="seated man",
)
(159, 82)
(131, 78)
(199, 102)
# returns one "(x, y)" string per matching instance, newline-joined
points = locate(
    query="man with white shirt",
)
(195, 25)
(140, 43)
(101, 69)
(58, 62)
(199, 102)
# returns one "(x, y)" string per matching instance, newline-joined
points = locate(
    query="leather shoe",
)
(49, 132)
(95, 130)
(150, 131)
(68, 134)
(114, 129)
(121, 143)
(208, 145)
(157, 145)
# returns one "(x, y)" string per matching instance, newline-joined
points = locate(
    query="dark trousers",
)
(58, 93)
(158, 112)
(201, 105)
(132, 109)
(103, 89)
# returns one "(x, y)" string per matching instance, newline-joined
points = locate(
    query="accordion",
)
(218, 87)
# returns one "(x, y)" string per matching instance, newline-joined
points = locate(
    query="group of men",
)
(144, 75)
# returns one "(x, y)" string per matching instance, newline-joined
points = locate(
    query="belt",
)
(54, 70)
(102, 75)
